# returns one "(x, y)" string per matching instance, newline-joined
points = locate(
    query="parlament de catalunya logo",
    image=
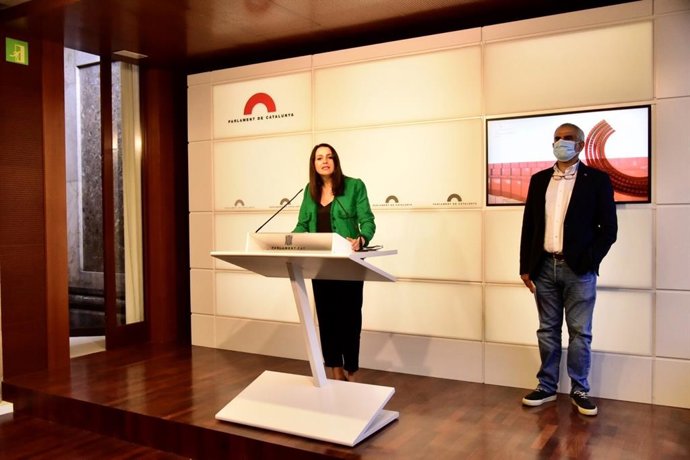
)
(260, 99)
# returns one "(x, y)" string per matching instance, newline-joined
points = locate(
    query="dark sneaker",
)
(538, 397)
(585, 406)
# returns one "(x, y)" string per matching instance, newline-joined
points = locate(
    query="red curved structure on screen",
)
(259, 98)
(595, 153)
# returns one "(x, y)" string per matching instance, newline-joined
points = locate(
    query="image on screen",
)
(617, 142)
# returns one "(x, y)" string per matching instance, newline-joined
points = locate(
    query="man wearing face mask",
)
(568, 226)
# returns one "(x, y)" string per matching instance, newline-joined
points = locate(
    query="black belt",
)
(556, 255)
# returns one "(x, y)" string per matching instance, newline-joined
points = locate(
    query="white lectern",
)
(313, 407)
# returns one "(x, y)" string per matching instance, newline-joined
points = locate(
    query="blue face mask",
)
(564, 150)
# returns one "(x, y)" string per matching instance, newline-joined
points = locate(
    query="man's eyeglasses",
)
(570, 176)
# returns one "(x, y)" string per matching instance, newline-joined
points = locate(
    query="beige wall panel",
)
(536, 74)
(671, 59)
(669, 6)
(427, 356)
(203, 330)
(511, 365)
(673, 247)
(421, 165)
(627, 378)
(435, 245)
(671, 379)
(291, 95)
(200, 239)
(202, 290)
(573, 20)
(502, 228)
(623, 322)
(425, 309)
(511, 315)
(252, 296)
(430, 86)
(672, 151)
(262, 69)
(259, 173)
(386, 50)
(635, 237)
(673, 324)
(199, 78)
(199, 113)
(262, 337)
(200, 174)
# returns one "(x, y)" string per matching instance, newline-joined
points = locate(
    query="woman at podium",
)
(335, 203)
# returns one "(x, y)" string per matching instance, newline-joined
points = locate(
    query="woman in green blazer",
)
(335, 203)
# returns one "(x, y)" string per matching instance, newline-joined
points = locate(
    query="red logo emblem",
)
(259, 98)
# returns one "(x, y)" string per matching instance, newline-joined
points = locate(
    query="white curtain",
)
(131, 184)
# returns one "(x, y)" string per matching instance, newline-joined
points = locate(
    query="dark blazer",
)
(590, 225)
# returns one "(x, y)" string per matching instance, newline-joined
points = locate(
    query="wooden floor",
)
(163, 399)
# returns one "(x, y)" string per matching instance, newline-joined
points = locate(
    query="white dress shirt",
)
(557, 199)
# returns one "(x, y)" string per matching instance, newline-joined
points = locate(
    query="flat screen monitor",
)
(617, 142)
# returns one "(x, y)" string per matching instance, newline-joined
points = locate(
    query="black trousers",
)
(339, 310)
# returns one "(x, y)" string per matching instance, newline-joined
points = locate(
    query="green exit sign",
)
(16, 51)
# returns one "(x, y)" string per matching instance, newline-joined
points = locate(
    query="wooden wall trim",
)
(57, 304)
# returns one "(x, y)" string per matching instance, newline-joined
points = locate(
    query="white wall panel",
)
(199, 78)
(671, 379)
(511, 315)
(502, 228)
(421, 165)
(537, 73)
(437, 245)
(669, 6)
(252, 296)
(200, 240)
(627, 378)
(259, 173)
(291, 95)
(199, 113)
(202, 291)
(673, 247)
(399, 47)
(262, 337)
(635, 236)
(262, 69)
(428, 356)
(511, 365)
(671, 59)
(200, 174)
(203, 330)
(673, 324)
(430, 86)
(623, 322)
(672, 151)
(572, 20)
(434, 310)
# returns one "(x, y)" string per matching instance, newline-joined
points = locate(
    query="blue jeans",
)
(559, 291)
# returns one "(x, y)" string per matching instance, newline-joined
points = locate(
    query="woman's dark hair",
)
(315, 181)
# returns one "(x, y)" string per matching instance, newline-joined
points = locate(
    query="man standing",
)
(568, 226)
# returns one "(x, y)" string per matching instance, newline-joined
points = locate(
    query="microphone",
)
(276, 213)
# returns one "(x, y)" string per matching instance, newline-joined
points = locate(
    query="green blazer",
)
(351, 214)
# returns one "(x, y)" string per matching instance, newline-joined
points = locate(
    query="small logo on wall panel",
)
(454, 199)
(288, 240)
(260, 99)
(16, 51)
(392, 201)
(239, 203)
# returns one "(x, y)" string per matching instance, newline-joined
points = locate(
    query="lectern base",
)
(339, 412)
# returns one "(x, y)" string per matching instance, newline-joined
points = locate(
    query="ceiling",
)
(199, 35)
